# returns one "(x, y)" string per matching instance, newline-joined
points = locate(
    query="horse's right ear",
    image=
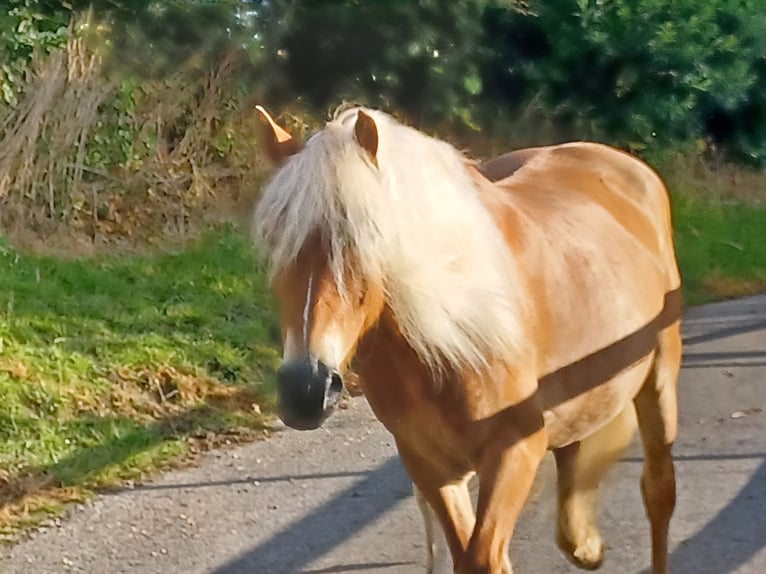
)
(366, 135)
(278, 143)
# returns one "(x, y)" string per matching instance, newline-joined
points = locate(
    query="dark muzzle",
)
(308, 392)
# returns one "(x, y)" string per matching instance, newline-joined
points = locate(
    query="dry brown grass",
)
(148, 394)
(718, 286)
(189, 154)
(44, 138)
(25, 502)
(708, 176)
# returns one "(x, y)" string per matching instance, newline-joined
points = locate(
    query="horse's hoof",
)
(588, 555)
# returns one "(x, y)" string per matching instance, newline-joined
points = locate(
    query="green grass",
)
(109, 365)
(721, 246)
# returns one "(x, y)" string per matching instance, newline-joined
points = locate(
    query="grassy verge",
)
(721, 245)
(112, 367)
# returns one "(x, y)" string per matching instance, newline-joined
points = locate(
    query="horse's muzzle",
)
(308, 392)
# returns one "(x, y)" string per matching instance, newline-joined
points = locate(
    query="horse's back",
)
(627, 188)
(570, 187)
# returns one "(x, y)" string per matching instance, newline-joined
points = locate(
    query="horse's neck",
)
(395, 380)
(402, 389)
(494, 197)
(386, 341)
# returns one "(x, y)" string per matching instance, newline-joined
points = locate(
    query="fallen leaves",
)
(14, 368)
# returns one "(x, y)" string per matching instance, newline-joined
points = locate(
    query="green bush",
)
(27, 26)
(644, 74)
(418, 57)
(649, 70)
(640, 73)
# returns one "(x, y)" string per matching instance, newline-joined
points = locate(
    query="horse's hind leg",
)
(581, 466)
(657, 409)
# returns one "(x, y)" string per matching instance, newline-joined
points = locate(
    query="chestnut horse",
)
(490, 318)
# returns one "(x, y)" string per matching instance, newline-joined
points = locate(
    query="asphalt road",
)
(338, 501)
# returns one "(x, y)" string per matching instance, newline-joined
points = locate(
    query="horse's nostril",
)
(334, 390)
(336, 382)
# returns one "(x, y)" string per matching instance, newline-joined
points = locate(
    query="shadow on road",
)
(733, 359)
(295, 547)
(728, 329)
(731, 538)
(704, 457)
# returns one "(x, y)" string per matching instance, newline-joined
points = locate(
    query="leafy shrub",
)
(648, 70)
(28, 26)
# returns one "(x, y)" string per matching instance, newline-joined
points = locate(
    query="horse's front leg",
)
(438, 558)
(506, 474)
(449, 498)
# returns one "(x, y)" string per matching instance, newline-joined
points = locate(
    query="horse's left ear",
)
(279, 144)
(366, 135)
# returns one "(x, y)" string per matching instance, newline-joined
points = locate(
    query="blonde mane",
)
(414, 225)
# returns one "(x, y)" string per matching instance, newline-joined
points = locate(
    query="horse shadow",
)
(294, 548)
(734, 536)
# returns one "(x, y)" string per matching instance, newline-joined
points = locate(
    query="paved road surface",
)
(338, 501)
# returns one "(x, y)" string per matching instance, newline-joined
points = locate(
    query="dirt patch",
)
(721, 287)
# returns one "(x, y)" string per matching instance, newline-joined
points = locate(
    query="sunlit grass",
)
(108, 365)
(721, 246)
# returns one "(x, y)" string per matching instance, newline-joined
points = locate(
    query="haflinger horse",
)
(493, 313)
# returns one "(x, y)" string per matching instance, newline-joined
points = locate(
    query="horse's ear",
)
(279, 144)
(366, 134)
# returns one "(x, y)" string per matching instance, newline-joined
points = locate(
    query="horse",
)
(493, 313)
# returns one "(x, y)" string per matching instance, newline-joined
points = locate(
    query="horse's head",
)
(372, 216)
(325, 306)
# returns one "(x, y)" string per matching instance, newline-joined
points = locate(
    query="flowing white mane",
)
(414, 225)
